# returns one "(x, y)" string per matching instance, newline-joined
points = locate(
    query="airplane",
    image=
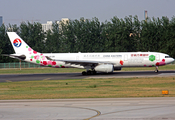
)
(106, 62)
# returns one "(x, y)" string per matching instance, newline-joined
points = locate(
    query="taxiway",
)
(89, 109)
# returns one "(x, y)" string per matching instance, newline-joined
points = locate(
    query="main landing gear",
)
(156, 70)
(89, 72)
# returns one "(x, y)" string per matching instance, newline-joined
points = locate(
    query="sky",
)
(16, 11)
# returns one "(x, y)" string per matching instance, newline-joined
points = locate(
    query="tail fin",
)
(24, 52)
(18, 44)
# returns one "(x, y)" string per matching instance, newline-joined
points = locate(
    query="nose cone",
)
(169, 60)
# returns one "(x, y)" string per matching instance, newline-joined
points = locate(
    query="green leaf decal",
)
(37, 61)
(152, 58)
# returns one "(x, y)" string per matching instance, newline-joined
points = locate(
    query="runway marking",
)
(138, 109)
(145, 107)
(98, 113)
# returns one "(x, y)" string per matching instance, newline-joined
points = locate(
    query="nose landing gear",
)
(156, 70)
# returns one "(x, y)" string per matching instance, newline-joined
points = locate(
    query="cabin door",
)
(157, 57)
(126, 57)
(125, 60)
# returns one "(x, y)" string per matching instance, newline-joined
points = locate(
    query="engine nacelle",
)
(104, 68)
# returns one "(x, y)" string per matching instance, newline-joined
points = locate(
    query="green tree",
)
(169, 37)
(52, 40)
(32, 34)
(67, 39)
(5, 47)
(118, 38)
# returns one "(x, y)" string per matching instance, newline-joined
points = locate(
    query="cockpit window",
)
(167, 57)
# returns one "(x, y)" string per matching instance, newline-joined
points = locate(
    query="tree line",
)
(84, 35)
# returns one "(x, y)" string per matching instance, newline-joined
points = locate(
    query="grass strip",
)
(88, 88)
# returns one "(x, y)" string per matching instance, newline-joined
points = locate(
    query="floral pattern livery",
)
(152, 58)
(121, 62)
(41, 59)
(161, 63)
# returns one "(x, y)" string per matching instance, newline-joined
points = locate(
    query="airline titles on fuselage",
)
(98, 56)
(139, 55)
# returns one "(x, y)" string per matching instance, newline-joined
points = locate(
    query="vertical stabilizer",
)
(18, 44)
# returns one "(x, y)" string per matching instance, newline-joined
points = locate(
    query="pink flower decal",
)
(36, 57)
(43, 58)
(29, 49)
(49, 62)
(161, 63)
(34, 52)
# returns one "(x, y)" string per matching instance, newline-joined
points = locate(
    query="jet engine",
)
(104, 68)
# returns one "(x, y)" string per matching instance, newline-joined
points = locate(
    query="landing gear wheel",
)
(94, 72)
(156, 70)
(84, 73)
(88, 72)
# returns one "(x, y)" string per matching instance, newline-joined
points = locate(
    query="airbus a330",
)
(92, 62)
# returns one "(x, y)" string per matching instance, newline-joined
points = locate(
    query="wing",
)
(83, 62)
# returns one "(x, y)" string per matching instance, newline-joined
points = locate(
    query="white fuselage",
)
(118, 59)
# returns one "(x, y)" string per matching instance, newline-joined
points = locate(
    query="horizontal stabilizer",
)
(17, 56)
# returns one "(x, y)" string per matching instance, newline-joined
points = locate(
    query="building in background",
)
(48, 26)
(64, 20)
(1, 21)
(146, 15)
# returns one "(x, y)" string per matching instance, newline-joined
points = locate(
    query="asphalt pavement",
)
(63, 76)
